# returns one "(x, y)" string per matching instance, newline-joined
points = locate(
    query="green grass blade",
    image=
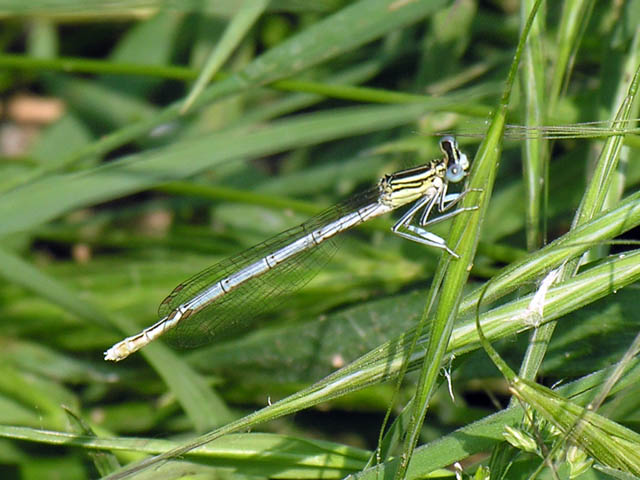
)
(465, 232)
(105, 463)
(385, 361)
(350, 27)
(607, 441)
(592, 203)
(534, 150)
(619, 177)
(201, 404)
(240, 24)
(267, 454)
(482, 435)
(603, 176)
(16, 270)
(34, 203)
(103, 214)
(571, 245)
(575, 15)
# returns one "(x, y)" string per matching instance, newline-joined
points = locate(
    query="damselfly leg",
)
(417, 233)
(447, 202)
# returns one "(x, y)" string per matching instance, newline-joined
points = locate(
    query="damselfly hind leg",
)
(420, 235)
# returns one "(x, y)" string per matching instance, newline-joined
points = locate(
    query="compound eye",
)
(455, 173)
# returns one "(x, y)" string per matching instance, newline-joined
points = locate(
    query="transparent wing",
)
(259, 293)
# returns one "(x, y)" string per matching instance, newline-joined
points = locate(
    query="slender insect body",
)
(270, 261)
(253, 270)
(205, 297)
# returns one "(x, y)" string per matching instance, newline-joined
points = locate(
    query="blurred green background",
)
(121, 177)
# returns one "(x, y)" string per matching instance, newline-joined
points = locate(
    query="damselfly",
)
(241, 285)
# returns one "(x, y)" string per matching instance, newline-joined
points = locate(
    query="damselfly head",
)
(457, 162)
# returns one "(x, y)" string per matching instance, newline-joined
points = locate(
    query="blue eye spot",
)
(455, 173)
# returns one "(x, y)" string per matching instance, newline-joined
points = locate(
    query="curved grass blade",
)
(203, 406)
(47, 198)
(592, 203)
(465, 232)
(352, 26)
(605, 440)
(242, 21)
(386, 361)
(535, 155)
(279, 456)
(483, 434)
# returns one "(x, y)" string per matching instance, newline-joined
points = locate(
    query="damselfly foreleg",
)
(447, 201)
